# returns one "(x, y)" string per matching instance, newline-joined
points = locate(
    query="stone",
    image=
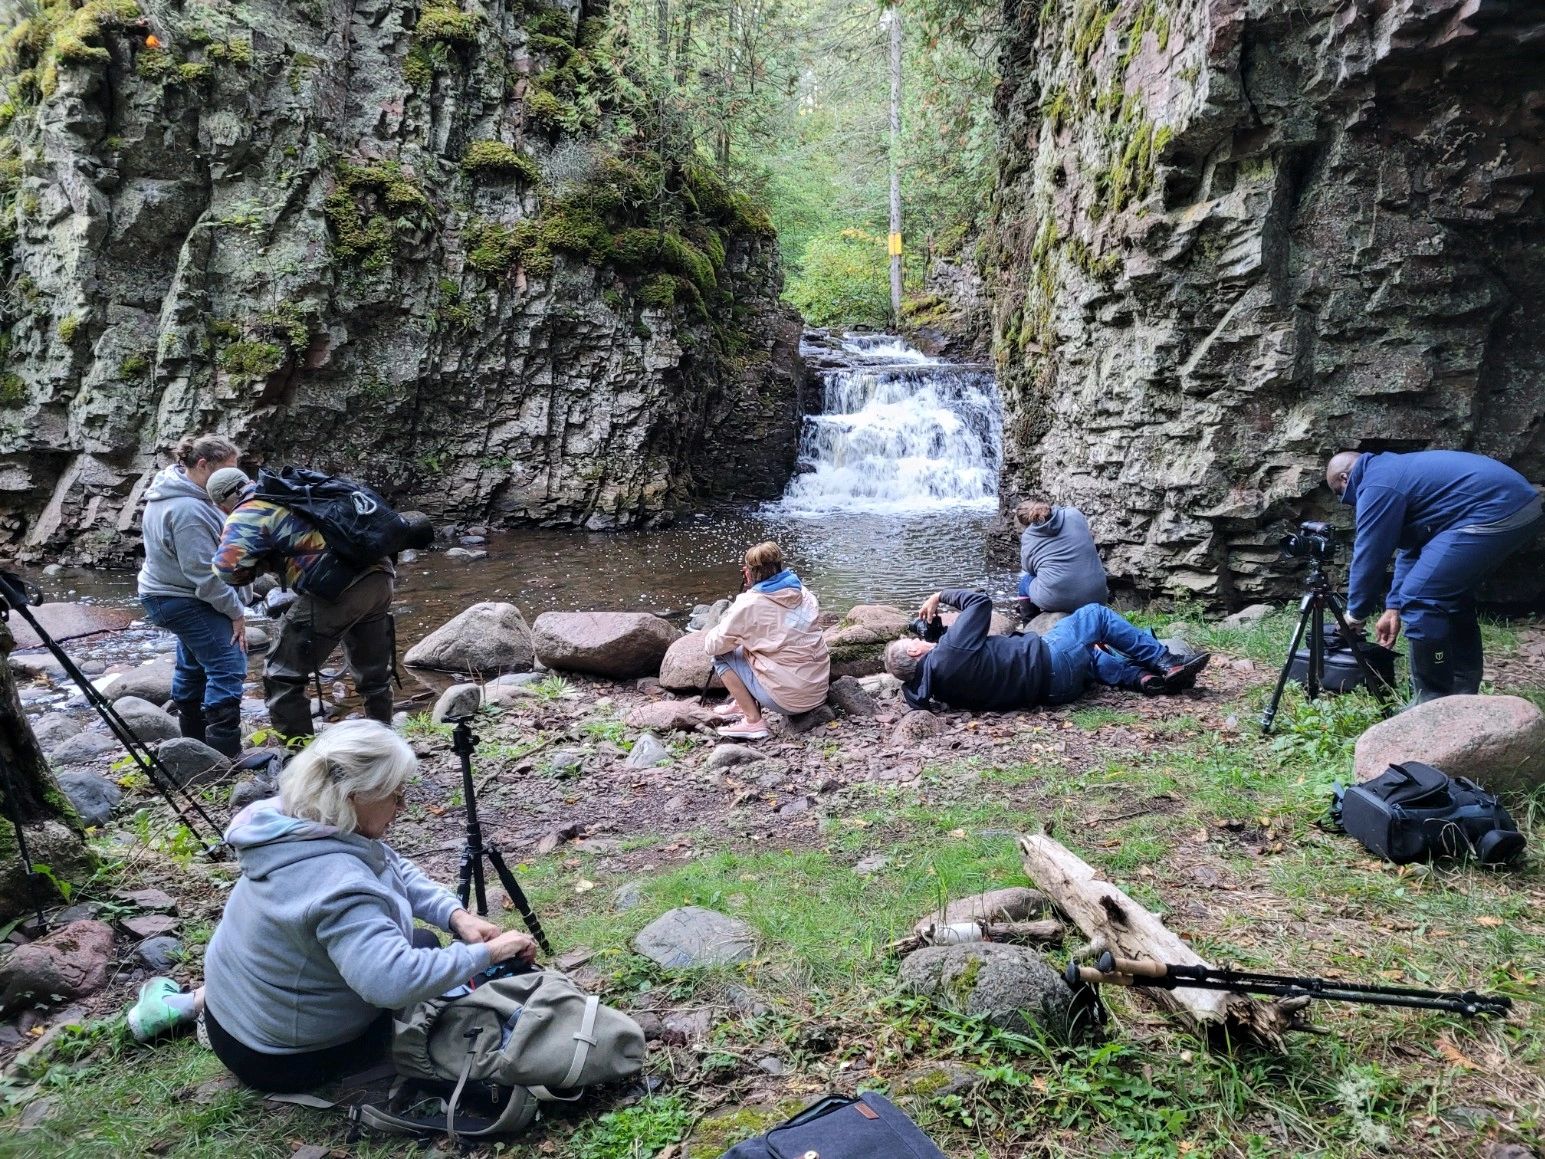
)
(257, 641)
(82, 748)
(566, 762)
(885, 619)
(278, 601)
(244, 793)
(70, 962)
(685, 1027)
(618, 645)
(149, 925)
(94, 797)
(871, 865)
(264, 584)
(727, 756)
(486, 639)
(149, 682)
(687, 668)
(629, 895)
(670, 716)
(1045, 622)
(154, 900)
(850, 698)
(69, 621)
(648, 752)
(917, 725)
(880, 684)
(148, 722)
(39, 665)
(456, 701)
(1012, 904)
(53, 728)
(770, 1065)
(1011, 986)
(467, 554)
(191, 762)
(1247, 616)
(1496, 741)
(691, 937)
(803, 722)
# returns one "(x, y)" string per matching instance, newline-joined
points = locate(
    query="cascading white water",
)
(899, 432)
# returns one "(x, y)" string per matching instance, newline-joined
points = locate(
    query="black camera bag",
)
(868, 1127)
(1342, 672)
(1414, 812)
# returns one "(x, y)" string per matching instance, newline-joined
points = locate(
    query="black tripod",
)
(8, 787)
(463, 742)
(1320, 595)
(14, 596)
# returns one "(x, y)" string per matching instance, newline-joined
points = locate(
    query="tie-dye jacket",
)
(260, 535)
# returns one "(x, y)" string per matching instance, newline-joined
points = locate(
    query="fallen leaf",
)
(583, 886)
(957, 832)
(1488, 921)
(1454, 1055)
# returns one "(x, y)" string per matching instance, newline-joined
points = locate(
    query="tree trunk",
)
(894, 241)
(29, 794)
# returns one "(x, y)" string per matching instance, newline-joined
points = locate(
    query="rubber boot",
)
(224, 732)
(190, 719)
(1467, 658)
(1432, 672)
(378, 704)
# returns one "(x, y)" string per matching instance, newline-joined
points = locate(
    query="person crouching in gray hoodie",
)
(181, 529)
(1062, 568)
(317, 946)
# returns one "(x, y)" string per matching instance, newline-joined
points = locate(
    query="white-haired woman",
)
(317, 942)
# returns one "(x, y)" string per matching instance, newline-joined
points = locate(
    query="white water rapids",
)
(898, 433)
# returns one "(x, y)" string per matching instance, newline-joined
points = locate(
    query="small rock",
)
(146, 721)
(457, 701)
(161, 954)
(745, 1001)
(566, 762)
(70, 961)
(1045, 622)
(849, 697)
(917, 725)
(53, 569)
(1245, 617)
(38, 1110)
(869, 866)
(651, 1024)
(82, 748)
(149, 925)
(94, 796)
(466, 554)
(1010, 985)
(692, 936)
(92, 667)
(686, 667)
(244, 793)
(278, 601)
(37, 664)
(728, 755)
(795, 807)
(771, 1065)
(472, 540)
(191, 762)
(684, 1027)
(670, 716)
(84, 911)
(880, 684)
(54, 728)
(257, 641)
(629, 895)
(151, 900)
(803, 722)
(150, 682)
(648, 752)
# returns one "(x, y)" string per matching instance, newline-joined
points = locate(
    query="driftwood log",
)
(1108, 917)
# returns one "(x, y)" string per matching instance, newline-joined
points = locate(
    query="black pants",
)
(290, 1073)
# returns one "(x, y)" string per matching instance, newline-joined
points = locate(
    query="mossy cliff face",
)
(1233, 236)
(434, 245)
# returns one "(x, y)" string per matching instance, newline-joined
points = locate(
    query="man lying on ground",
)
(968, 669)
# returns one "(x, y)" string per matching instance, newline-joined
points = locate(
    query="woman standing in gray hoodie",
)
(183, 596)
(1062, 568)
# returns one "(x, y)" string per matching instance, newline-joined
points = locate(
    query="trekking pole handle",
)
(1108, 963)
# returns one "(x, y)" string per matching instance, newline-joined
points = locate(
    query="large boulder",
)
(151, 682)
(1496, 741)
(850, 698)
(84, 748)
(687, 667)
(70, 962)
(857, 643)
(149, 722)
(619, 645)
(66, 621)
(484, 640)
(1010, 985)
(692, 936)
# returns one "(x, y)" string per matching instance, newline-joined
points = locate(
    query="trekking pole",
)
(14, 597)
(1111, 970)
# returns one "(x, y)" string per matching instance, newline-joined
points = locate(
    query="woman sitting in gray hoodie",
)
(1062, 568)
(317, 944)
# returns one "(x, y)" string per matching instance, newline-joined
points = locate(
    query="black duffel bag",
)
(868, 1127)
(1414, 812)
(1342, 672)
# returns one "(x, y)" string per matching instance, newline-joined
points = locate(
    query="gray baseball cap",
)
(226, 482)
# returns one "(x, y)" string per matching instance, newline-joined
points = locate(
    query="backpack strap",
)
(584, 1039)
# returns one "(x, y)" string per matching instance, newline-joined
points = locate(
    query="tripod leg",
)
(1380, 686)
(1270, 713)
(1314, 679)
(518, 897)
(478, 889)
(464, 878)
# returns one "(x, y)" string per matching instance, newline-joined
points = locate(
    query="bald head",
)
(1339, 469)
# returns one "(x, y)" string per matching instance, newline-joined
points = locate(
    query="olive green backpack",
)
(519, 1040)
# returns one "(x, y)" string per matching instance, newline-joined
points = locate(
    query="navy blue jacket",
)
(1402, 501)
(968, 669)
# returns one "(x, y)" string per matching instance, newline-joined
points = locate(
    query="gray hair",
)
(900, 663)
(357, 758)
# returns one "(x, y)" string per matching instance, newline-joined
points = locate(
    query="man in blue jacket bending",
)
(971, 670)
(1449, 518)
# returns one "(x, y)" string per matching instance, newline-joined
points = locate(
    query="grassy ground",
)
(1182, 802)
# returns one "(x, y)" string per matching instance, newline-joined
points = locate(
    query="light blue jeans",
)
(735, 661)
(1075, 660)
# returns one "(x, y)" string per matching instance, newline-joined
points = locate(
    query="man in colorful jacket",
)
(1449, 518)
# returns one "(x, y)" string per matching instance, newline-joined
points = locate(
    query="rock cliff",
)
(451, 249)
(1233, 236)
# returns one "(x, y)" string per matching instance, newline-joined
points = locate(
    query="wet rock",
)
(40, 665)
(150, 682)
(70, 962)
(92, 667)
(1245, 617)
(917, 725)
(94, 797)
(1010, 985)
(648, 752)
(278, 601)
(66, 621)
(618, 645)
(191, 762)
(467, 554)
(803, 722)
(485, 639)
(54, 728)
(1496, 741)
(146, 721)
(850, 698)
(472, 540)
(456, 701)
(1045, 622)
(705, 616)
(670, 716)
(687, 668)
(726, 756)
(692, 936)
(82, 748)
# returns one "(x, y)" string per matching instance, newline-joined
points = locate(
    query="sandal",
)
(744, 731)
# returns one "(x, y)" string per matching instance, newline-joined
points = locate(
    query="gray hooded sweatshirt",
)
(314, 942)
(1065, 565)
(182, 529)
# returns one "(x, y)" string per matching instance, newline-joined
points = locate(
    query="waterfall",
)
(899, 432)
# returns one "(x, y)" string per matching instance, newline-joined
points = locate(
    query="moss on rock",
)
(497, 161)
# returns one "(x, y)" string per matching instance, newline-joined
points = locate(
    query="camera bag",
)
(868, 1127)
(1342, 672)
(1414, 812)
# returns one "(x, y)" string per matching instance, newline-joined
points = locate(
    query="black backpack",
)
(868, 1127)
(360, 527)
(1414, 812)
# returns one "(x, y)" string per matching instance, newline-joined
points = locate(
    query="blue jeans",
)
(1447, 570)
(1075, 660)
(209, 666)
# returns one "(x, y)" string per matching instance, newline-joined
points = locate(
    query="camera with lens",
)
(929, 631)
(1313, 540)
